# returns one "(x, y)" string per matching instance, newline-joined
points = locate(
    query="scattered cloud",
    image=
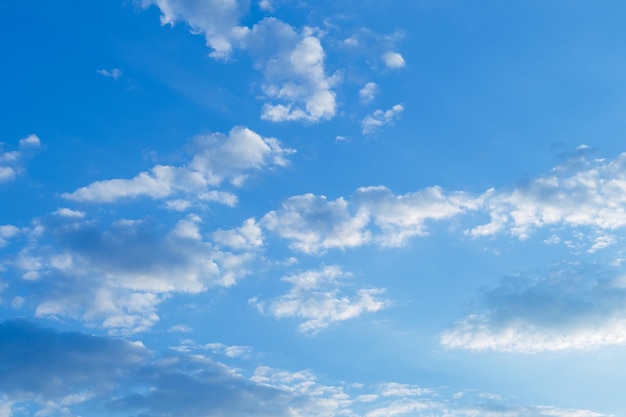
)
(215, 158)
(368, 92)
(380, 118)
(248, 236)
(393, 60)
(114, 73)
(11, 161)
(316, 297)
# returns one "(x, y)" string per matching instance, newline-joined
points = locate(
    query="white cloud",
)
(379, 118)
(293, 66)
(316, 298)
(581, 193)
(368, 92)
(215, 158)
(217, 20)
(393, 60)
(563, 311)
(248, 236)
(313, 224)
(116, 277)
(66, 212)
(11, 161)
(115, 73)
(292, 63)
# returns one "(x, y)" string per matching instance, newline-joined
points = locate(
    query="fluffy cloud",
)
(563, 311)
(316, 298)
(393, 60)
(248, 236)
(373, 215)
(116, 276)
(217, 20)
(368, 92)
(292, 63)
(581, 192)
(215, 158)
(293, 66)
(380, 118)
(11, 161)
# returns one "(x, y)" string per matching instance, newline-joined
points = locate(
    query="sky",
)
(223, 208)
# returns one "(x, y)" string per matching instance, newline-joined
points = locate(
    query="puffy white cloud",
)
(563, 311)
(292, 63)
(581, 193)
(215, 158)
(248, 236)
(293, 66)
(313, 224)
(393, 60)
(217, 20)
(316, 298)
(368, 92)
(370, 124)
(11, 161)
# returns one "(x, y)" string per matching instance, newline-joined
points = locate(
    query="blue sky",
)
(293, 208)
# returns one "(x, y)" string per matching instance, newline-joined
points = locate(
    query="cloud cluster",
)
(582, 192)
(215, 158)
(116, 276)
(11, 161)
(566, 310)
(379, 118)
(291, 61)
(375, 215)
(315, 298)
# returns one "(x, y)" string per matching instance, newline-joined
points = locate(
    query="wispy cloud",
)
(114, 73)
(11, 161)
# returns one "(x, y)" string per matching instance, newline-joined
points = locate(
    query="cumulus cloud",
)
(372, 123)
(316, 297)
(393, 60)
(293, 66)
(116, 276)
(217, 20)
(215, 158)
(292, 62)
(375, 215)
(11, 161)
(248, 236)
(563, 311)
(582, 192)
(368, 92)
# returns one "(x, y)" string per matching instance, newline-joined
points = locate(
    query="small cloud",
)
(30, 141)
(115, 73)
(380, 118)
(368, 92)
(266, 5)
(180, 328)
(65, 212)
(393, 60)
(340, 138)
